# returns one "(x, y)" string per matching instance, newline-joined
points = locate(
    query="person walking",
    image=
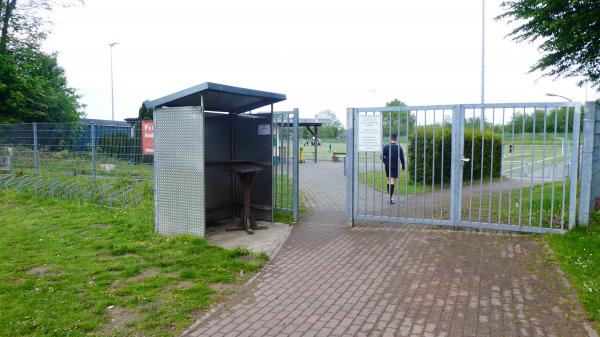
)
(391, 154)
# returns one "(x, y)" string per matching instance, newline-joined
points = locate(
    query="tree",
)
(524, 122)
(570, 31)
(33, 87)
(392, 118)
(332, 127)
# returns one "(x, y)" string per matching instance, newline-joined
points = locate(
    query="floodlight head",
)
(555, 95)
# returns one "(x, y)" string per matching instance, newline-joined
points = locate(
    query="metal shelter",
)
(199, 133)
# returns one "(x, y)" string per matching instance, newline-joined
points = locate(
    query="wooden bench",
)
(336, 156)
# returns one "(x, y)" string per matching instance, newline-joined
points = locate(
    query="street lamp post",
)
(112, 91)
(555, 95)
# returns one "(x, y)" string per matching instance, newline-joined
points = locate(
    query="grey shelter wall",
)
(179, 171)
(217, 140)
(249, 145)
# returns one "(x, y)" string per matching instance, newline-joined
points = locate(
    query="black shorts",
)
(393, 173)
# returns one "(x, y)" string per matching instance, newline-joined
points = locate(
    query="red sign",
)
(147, 137)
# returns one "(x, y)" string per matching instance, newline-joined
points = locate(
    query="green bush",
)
(430, 139)
(489, 164)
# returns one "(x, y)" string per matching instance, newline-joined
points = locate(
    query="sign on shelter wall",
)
(147, 137)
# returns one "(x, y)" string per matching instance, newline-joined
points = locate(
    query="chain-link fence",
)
(94, 149)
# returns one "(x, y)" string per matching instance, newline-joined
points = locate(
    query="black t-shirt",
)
(391, 154)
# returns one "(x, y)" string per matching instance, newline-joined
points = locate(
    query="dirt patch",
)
(220, 287)
(179, 285)
(119, 317)
(17, 281)
(106, 255)
(43, 270)
(248, 259)
(173, 274)
(146, 274)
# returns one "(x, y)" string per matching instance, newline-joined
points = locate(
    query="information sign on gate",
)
(369, 133)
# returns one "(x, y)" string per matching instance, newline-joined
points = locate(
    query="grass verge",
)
(283, 189)
(68, 269)
(578, 253)
(526, 206)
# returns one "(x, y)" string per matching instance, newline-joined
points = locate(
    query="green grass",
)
(578, 253)
(89, 258)
(502, 211)
(379, 181)
(323, 153)
(65, 163)
(284, 199)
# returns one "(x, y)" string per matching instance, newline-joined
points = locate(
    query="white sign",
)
(264, 129)
(369, 133)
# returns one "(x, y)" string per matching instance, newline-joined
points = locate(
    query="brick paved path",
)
(330, 280)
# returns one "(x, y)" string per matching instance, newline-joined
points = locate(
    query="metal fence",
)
(96, 150)
(285, 162)
(497, 166)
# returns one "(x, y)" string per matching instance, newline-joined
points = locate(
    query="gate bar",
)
(296, 169)
(351, 161)
(575, 166)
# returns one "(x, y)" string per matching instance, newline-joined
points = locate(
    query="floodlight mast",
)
(112, 91)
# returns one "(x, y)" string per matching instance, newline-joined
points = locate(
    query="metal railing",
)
(90, 149)
(285, 162)
(496, 166)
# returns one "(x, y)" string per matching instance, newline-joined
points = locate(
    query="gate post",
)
(296, 170)
(350, 167)
(456, 164)
(36, 160)
(586, 195)
(574, 167)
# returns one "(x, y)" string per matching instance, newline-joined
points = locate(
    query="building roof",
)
(103, 122)
(218, 97)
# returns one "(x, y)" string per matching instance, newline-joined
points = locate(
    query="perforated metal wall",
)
(179, 206)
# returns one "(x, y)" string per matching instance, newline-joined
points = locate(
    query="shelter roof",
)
(305, 122)
(218, 97)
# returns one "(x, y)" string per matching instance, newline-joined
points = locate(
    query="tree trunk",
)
(8, 9)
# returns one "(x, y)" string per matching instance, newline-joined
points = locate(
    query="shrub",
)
(430, 139)
(494, 164)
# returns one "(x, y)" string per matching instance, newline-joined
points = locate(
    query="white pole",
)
(112, 91)
(481, 123)
(482, 52)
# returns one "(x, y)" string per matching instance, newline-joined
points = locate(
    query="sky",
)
(321, 54)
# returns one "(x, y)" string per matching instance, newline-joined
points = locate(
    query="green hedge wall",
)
(425, 164)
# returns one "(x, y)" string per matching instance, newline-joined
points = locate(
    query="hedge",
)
(425, 168)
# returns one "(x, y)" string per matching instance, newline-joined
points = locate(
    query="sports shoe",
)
(390, 201)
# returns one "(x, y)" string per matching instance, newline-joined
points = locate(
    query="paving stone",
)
(406, 280)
